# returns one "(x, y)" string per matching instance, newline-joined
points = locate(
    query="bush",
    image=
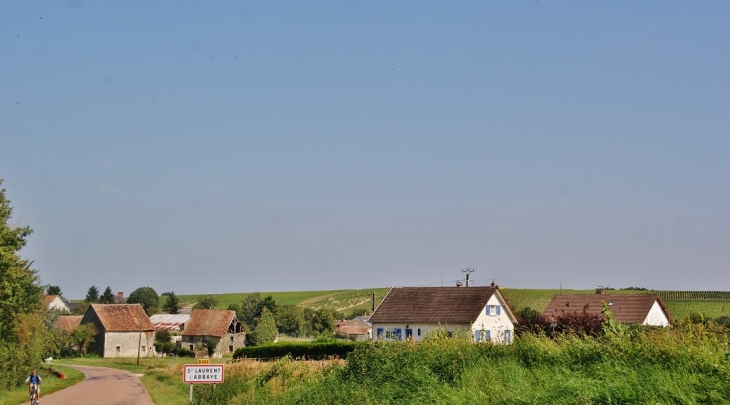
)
(297, 350)
(265, 331)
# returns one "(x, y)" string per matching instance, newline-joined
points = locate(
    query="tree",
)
(21, 302)
(146, 296)
(92, 295)
(206, 303)
(248, 310)
(163, 341)
(83, 336)
(107, 297)
(172, 305)
(267, 303)
(290, 320)
(265, 331)
(53, 290)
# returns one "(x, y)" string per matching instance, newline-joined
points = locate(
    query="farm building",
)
(68, 322)
(121, 330)
(630, 309)
(411, 312)
(171, 322)
(357, 328)
(55, 302)
(220, 325)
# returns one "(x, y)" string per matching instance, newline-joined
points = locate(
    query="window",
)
(419, 331)
(380, 333)
(192, 347)
(409, 333)
(119, 349)
(143, 348)
(489, 336)
(494, 310)
(477, 336)
(231, 339)
(230, 349)
(508, 336)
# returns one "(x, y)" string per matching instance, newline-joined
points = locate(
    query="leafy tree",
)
(290, 320)
(322, 320)
(248, 310)
(92, 295)
(80, 309)
(206, 303)
(265, 331)
(163, 341)
(107, 297)
(210, 343)
(268, 303)
(172, 305)
(83, 335)
(53, 290)
(21, 302)
(235, 308)
(360, 312)
(147, 297)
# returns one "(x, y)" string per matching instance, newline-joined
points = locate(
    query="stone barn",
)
(220, 326)
(122, 330)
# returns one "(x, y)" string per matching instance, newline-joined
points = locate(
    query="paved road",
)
(102, 385)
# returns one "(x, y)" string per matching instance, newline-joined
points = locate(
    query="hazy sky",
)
(209, 147)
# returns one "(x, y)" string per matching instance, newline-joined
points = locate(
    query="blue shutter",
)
(397, 333)
(380, 333)
(498, 311)
(488, 310)
(489, 335)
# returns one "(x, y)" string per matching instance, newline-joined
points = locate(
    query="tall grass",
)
(685, 365)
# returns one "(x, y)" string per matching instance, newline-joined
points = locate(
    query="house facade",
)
(222, 326)
(643, 309)
(413, 312)
(122, 330)
(55, 302)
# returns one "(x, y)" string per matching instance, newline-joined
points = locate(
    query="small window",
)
(419, 331)
(192, 347)
(230, 349)
(489, 336)
(231, 339)
(143, 348)
(119, 349)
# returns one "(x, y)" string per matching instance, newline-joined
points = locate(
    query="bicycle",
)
(34, 395)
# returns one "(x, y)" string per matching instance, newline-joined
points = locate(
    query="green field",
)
(341, 300)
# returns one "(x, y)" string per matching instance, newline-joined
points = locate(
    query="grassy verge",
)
(50, 384)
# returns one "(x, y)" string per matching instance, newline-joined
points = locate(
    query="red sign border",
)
(185, 373)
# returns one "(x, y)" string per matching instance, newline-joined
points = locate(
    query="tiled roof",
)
(68, 322)
(448, 305)
(209, 322)
(49, 298)
(353, 330)
(625, 308)
(121, 317)
(169, 321)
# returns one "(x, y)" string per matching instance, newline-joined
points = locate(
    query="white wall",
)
(495, 324)
(656, 316)
(58, 304)
(424, 328)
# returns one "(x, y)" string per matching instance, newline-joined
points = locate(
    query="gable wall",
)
(496, 324)
(656, 316)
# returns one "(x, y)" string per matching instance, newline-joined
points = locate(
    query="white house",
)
(641, 309)
(55, 302)
(412, 312)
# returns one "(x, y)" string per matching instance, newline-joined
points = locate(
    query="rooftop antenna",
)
(468, 271)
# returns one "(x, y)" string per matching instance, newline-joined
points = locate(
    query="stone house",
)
(221, 326)
(412, 312)
(643, 309)
(122, 330)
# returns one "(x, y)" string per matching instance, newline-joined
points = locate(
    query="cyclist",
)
(34, 380)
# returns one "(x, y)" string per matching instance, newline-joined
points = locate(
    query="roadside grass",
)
(50, 384)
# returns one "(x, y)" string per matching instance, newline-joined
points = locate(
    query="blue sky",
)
(234, 146)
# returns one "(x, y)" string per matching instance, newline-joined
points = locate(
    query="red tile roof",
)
(626, 308)
(68, 322)
(209, 322)
(49, 298)
(121, 317)
(449, 305)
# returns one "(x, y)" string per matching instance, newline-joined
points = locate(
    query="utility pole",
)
(467, 271)
(139, 342)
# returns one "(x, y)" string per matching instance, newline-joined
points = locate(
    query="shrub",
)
(265, 331)
(298, 350)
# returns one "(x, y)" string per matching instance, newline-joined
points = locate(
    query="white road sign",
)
(203, 373)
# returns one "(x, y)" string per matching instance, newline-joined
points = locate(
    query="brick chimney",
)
(120, 294)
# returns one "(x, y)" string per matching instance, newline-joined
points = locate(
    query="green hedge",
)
(297, 350)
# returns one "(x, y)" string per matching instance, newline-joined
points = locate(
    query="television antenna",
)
(468, 271)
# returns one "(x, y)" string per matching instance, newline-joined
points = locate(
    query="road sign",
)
(203, 361)
(203, 374)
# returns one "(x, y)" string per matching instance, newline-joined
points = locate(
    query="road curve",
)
(101, 386)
